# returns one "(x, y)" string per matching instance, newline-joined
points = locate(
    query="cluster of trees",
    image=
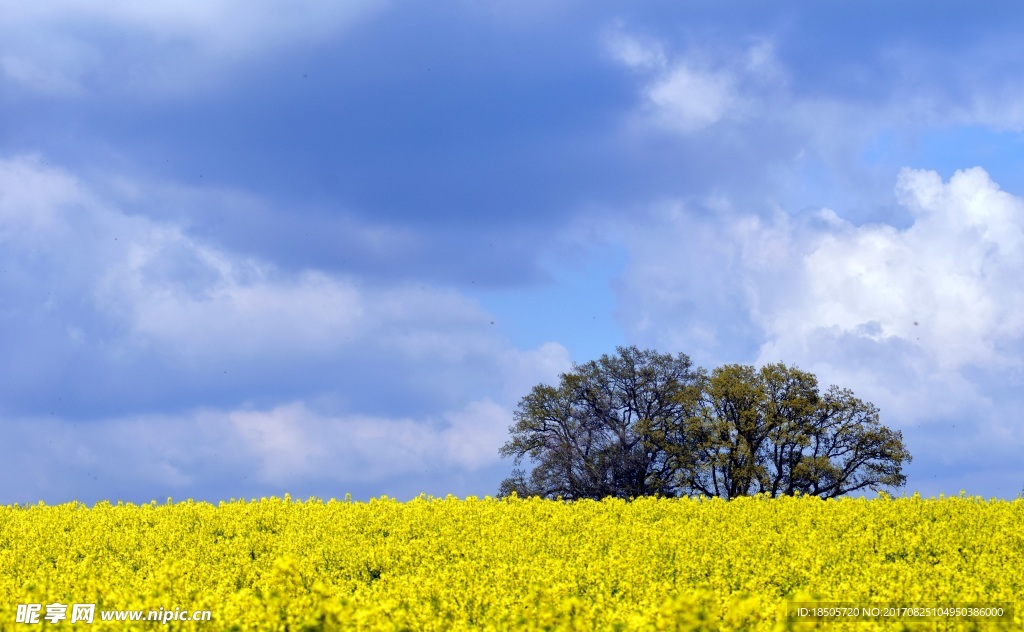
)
(642, 423)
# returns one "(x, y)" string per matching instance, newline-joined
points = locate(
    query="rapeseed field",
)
(513, 564)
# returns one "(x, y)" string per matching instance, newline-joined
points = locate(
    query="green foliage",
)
(611, 428)
(643, 423)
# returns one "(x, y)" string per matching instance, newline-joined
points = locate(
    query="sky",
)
(247, 251)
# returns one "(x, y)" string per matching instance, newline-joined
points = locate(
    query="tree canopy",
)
(641, 423)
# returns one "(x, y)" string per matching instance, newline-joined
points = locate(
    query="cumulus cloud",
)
(170, 297)
(774, 122)
(946, 284)
(191, 299)
(689, 93)
(902, 315)
(91, 282)
(689, 99)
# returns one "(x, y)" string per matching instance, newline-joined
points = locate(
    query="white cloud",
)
(788, 134)
(189, 299)
(899, 315)
(291, 440)
(32, 195)
(689, 99)
(687, 94)
(947, 285)
(174, 294)
(193, 301)
(170, 295)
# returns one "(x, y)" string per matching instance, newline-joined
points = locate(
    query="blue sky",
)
(246, 252)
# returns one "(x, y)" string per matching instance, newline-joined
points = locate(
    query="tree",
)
(605, 430)
(641, 423)
(772, 432)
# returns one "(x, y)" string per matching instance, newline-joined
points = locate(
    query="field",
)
(513, 564)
